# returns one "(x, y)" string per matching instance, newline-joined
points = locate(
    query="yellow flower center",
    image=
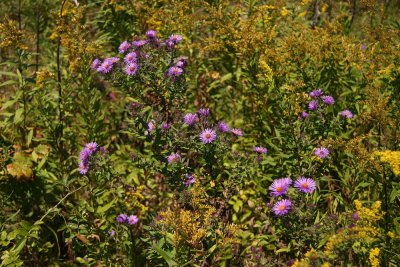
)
(282, 207)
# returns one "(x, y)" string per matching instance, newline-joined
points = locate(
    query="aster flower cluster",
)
(279, 188)
(198, 123)
(133, 54)
(208, 135)
(130, 220)
(317, 96)
(85, 154)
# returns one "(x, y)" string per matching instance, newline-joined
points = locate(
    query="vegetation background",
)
(253, 64)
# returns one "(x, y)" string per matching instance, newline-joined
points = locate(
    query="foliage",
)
(239, 133)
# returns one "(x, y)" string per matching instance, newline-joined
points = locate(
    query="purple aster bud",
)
(151, 34)
(112, 233)
(316, 93)
(122, 218)
(190, 119)
(304, 115)
(174, 158)
(355, 216)
(132, 220)
(150, 126)
(165, 126)
(313, 105)
(96, 64)
(321, 152)
(223, 127)
(123, 47)
(208, 136)
(131, 69)
(174, 71)
(205, 112)
(327, 99)
(346, 113)
(363, 47)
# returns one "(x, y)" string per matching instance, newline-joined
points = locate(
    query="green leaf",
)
(282, 250)
(106, 207)
(167, 256)
(9, 82)
(18, 115)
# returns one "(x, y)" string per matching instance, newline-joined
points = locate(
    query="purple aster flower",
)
(313, 105)
(132, 220)
(190, 119)
(305, 185)
(106, 66)
(315, 93)
(165, 126)
(83, 168)
(204, 112)
(355, 216)
(223, 127)
(363, 47)
(260, 150)
(122, 218)
(150, 126)
(123, 47)
(114, 59)
(327, 99)
(130, 57)
(280, 186)
(321, 152)
(112, 233)
(151, 34)
(180, 64)
(169, 44)
(175, 38)
(237, 132)
(139, 43)
(208, 136)
(174, 71)
(91, 147)
(282, 207)
(84, 155)
(131, 68)
(304, 115)
(189, 179)
(96, 64)
(346, 113)
(174, 158)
